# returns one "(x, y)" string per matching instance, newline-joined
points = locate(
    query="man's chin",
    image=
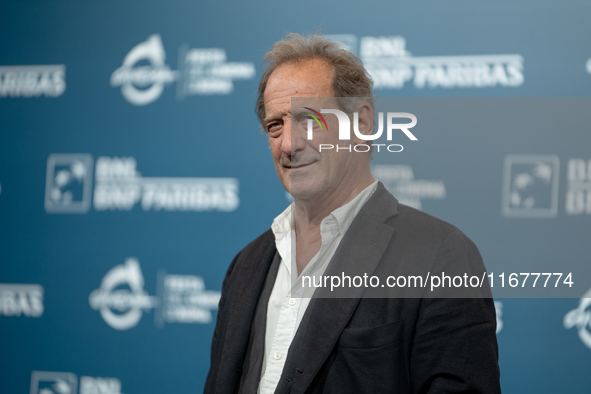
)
(302, 190)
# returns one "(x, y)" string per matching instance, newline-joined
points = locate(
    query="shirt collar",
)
(344, 215)
(283, 223)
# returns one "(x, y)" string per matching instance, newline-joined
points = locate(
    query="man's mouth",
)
(296, 166)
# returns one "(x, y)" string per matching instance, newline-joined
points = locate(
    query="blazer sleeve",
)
(455, 346)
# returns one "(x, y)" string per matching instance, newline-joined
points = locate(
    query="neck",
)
(308, 214)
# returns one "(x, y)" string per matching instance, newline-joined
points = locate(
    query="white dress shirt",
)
(286, 306)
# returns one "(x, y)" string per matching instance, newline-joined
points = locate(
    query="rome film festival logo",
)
(499, 313)
(202, 71)
(581, 319)
(122, 300)
(141, 85)
(129, 304)
(530, 186)
(345, 129)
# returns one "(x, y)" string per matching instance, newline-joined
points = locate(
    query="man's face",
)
(304, 171)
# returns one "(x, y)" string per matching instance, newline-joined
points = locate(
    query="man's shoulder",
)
(408, 220)
(260, 244)
(251, 254)
(418, 220)
(423, 243)
(416, 227)
(262, 240)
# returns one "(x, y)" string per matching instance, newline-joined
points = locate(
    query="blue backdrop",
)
(132, 170)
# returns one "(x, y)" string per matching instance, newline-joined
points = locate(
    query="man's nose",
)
(294, 139)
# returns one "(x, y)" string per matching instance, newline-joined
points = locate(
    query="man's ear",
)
(365, 123)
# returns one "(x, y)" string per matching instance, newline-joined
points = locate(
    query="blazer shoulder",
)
(384, 207)
(259, 245)
(442, 245)
(255, 250)
(419, 222)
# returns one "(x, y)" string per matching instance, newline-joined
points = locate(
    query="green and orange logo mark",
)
(316, 117)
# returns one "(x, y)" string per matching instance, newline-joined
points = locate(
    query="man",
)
(271, 339)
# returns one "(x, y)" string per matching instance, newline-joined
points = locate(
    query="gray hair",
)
(350, 79)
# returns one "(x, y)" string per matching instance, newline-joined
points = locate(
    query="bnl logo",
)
(43, 382)
(68, 188)
(530, 186)
(578, 192)
(53, 382)
(314, 117)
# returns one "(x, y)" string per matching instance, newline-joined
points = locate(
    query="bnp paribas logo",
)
(392, 66)
(68, 186)
(144, 74)
(118, 185)
(50, 382)
(530, 186)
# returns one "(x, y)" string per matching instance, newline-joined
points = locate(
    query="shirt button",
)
(278, 356)
(291, 301)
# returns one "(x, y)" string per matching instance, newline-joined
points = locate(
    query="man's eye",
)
(273, 127)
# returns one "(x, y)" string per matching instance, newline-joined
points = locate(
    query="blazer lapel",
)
(242, 302)
(359, 252)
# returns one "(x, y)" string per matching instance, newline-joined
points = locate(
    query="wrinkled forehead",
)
(299, 107)
(312, 78)
(312, 105)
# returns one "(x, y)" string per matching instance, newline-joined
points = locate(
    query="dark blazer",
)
(369, 345)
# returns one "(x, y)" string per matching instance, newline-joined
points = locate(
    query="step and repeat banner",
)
(133, 169)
